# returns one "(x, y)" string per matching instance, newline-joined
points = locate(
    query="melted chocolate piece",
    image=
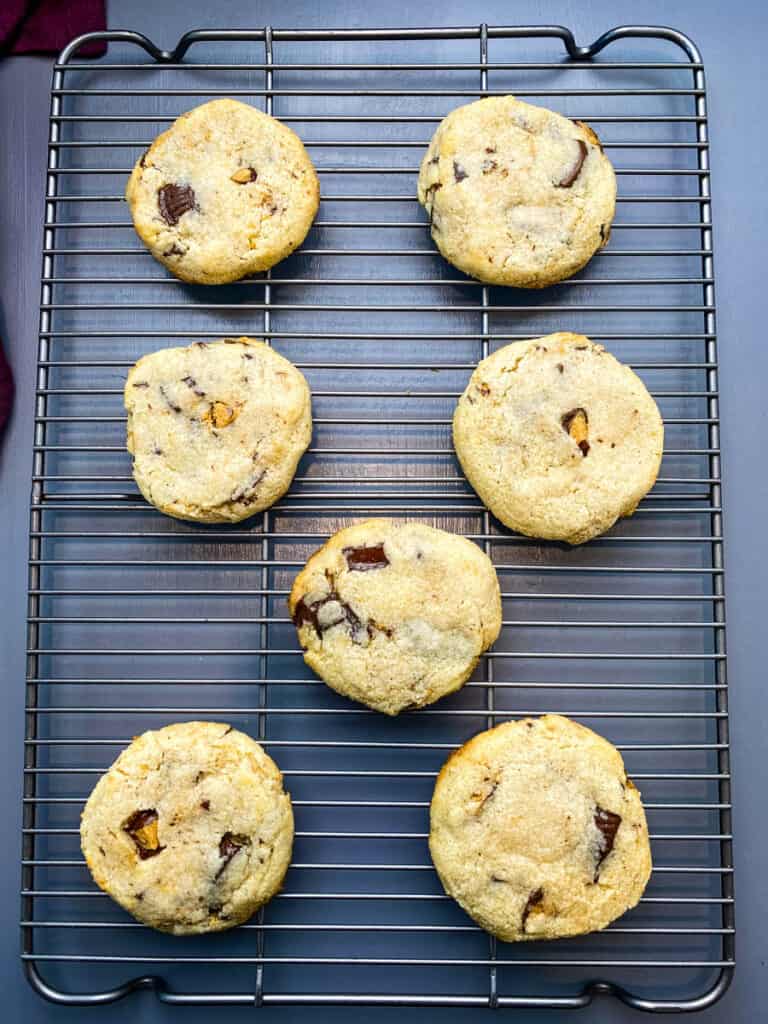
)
(579, 421)
(458, 172)
(142, 828)
(230, 845)
(364, 559)
(171, 405)
(206, 805)
(174, 201)
(533, 900)
(571, 175)
(309, 613)
(246, 494)
(608, 824)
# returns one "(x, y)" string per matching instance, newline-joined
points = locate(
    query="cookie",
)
(557, 437)
(216, 429)
(190, 830)
(516, 194)
(537, 831)
(227, 191)
(396, 615)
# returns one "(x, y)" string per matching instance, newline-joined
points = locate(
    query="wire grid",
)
(137, 620)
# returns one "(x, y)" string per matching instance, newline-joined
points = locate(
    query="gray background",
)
(730, 38)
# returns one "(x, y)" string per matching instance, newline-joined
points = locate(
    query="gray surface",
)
(738, 157)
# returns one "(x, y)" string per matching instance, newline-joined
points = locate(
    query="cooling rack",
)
(137, 620)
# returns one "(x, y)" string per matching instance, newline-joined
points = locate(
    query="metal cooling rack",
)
(136, 620)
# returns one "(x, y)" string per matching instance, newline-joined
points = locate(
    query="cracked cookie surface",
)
(190, 830)
(558, 438)
(537, 832)
(227, 191)
(396, 615)
(216, 429)
(516, 194)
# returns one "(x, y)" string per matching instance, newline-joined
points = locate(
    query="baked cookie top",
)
(216, 429)
(537, 831)
(557, 437)
(227, 191)
(190, 830)
(516, 194)
(396, 615)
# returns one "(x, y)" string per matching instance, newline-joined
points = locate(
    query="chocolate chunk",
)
(533, 900)
(488, 165)
(308, 613)
(206, 805)
(141, 384)
(572, 174)
(174, 201)
(189, 381)
(576, 424)
(490, 149)
(434, 188)
(244, 176)
(435, 160)
(142, 828)
(608, 824)
(560, 368)
(458, 172)
(364, 559)
(230, 845)
(158, 451)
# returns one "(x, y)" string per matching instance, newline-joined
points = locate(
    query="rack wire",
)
(136, 620)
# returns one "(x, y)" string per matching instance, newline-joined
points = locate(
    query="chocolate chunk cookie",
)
(537, 831)
(557, 437)
(190, 830)
(216, 429)
(516, 194)
(227, 191)
(396, 615)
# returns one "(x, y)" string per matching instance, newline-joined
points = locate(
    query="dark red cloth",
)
(46, 26)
